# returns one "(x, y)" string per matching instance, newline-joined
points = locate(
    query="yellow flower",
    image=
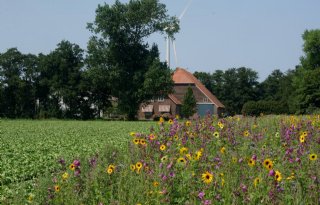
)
(198, 155)
(176, 137)
(277, 176)
(188, 123)
(216, 134)
(313, 157)
(136, 141)
(138, 165)
(109, 171)
(132, 167)
(251, 162)
(162, 147)
(183, 150)
(267, 163)
(133, 134)
(222, 181)
(246, 133)
(256, 181)
(72, 167)
(254, 126)
(188, 156)
(291, 177)
(177, 117)
(65, 176)
(181, 160)
(222, 150)
(30, 197)
(234, 159)
(155, 183)
(56, 188)
(207, 177)
(221, 125)
(142, 141)
(111, 166)
(164, 158)
(302, 138)
(161, 120)
(170, 121)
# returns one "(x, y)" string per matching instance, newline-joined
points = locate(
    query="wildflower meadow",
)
(234, 160)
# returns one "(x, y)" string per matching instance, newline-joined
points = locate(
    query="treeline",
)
(296, 91)
(119, 64)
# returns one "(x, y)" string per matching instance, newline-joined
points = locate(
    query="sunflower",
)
(246, 133)
(142, 141)
(305, 133)
(234, 159)
(291, 177)
(256, 181)
(111, 166)
(136, 141)
(109, 171)
(188, 123)
(72, 167)
(161, 120)
(188, 156)
(177, 117)
(170, 121)
(132, 134)
(223, 150)
(164, 159)
(162, 147)
(313, 157)
(138, 165)
(251, 162)
(207, 177)
(181, 160)
(65, 176)
(132, 167)
(176, 137)
(277, 176)
(56, 188)
(183, 150)
(221, 125)
(302, 138)
(267, 163)
(155, 183)
(198, 155)
(216, 134)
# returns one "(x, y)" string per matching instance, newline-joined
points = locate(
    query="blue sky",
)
(215, 34)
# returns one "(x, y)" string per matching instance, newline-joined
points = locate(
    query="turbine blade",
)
(185, 9)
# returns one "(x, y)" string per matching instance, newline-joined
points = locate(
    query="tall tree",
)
(306, 81)
(189, 104)
(120, 31)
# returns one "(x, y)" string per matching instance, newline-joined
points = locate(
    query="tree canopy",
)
(118, 47)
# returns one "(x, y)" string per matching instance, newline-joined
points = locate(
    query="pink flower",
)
(201, 195)
(271, 173)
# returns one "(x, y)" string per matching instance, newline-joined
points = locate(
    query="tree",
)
(17, 80)
(189, 104)
(119, 48)
(60, 82)
(306, 81)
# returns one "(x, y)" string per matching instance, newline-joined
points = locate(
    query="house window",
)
(205, 99)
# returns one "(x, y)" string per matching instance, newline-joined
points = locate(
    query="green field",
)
(239, 160)
(31, 148)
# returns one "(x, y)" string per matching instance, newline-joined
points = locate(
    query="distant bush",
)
(255, 108)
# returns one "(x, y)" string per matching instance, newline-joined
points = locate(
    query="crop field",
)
(236, 160)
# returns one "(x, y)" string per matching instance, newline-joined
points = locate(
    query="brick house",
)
(171, 104)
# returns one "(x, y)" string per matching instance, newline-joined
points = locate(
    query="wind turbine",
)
(171, 40)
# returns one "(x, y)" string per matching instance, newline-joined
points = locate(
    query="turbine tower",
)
(170, 40)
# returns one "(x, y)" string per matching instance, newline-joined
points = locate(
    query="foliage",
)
(189, 104)
(120, 31)
(265, 160)
(255, 108)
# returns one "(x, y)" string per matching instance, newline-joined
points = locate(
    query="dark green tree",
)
(306, 81)
(120, 49)
(189, 104)
(17, 80)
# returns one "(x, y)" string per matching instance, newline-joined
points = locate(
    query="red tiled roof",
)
(181, 76)
(175, 99)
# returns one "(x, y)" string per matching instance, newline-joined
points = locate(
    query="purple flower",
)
(244, 188)
(170, 165)
(76, 163)
(171, 174)
(207, 202)
(271, 173)
(254, 157)
(62, 162)
(77, 172)
(201, 195)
